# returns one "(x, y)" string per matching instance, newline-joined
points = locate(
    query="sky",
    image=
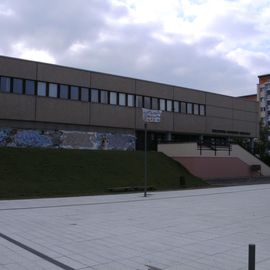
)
(218, 46)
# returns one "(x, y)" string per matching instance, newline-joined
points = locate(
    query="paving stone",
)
(188, 230)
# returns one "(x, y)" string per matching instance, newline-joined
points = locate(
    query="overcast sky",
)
(214, 45)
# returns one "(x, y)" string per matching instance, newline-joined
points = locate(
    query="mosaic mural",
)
(11, 137)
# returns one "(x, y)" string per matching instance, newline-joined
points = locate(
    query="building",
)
(252, 97)
(55, 106)
(263, 93)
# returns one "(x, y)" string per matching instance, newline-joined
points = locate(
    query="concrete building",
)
(263, 93)
(55, 106)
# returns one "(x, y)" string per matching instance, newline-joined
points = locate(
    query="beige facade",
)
(212, 114)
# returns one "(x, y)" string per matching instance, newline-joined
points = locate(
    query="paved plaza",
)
(203, 229)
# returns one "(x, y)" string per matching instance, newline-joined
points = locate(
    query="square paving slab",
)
(178, 230)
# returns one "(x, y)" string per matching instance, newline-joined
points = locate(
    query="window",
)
(139, 101)
(113, 98)
(169, 105)
(189, 108)
(183, 107)
(53, 91)
(202, 109)
(84, 94)
(41, 89)
(176, 106)
(196, 109)
(147, 102)
(29, 87)
(154, 103)
(74, 92)
(64, 91)
(162, 104)
(94, 95)
(122, 99)
(4, 84)
(17, 86)
(130, 100)
(104, 97)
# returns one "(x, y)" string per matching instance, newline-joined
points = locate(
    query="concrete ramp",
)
(216, 167)
(221, 162)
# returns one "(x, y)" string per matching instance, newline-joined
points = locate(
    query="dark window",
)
(147, 102)
(130, 100)
(139, 101)
(113, 98)
(84, 94)
(154, 103)
(183, 107)
(74, 92)
(64, 91)
(162, 106)
(176, 106)
(17, 86)
(122, 99)
(104, 97)
(29, 87)
(169, 105)
(53, 90)
(202, 109)
(5, 84)
(189, 108)
(94, 96)
(41, 89)
(196, 109)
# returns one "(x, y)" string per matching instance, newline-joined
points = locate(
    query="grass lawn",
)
(29, 172)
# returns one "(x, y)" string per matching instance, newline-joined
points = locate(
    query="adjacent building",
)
(263, 93)
(49, 105)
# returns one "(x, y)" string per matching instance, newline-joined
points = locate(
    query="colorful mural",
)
(66, 139)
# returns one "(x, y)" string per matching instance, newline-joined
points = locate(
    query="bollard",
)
(251, 257)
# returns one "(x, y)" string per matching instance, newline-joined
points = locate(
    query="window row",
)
(63, 91)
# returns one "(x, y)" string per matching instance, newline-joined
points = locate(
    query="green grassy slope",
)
(26, 173)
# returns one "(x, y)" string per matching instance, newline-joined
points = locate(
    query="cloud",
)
(32, 54)
(218, 46)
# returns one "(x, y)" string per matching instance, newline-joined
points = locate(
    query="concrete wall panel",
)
(219, 100)
(189, 123)
(58, 74)
(112, 116)
(245, 105)
(218, 123)
(154, 89)
(245, 116)
(113, 83)
(243, 126)
(215, 111)
(62, 111)
(189, 95)
(17, 107)
(17, 68)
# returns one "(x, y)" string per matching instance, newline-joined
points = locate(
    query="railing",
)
(214, 144)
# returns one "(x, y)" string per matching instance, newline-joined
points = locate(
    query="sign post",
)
(149, 116)
(145, 159)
